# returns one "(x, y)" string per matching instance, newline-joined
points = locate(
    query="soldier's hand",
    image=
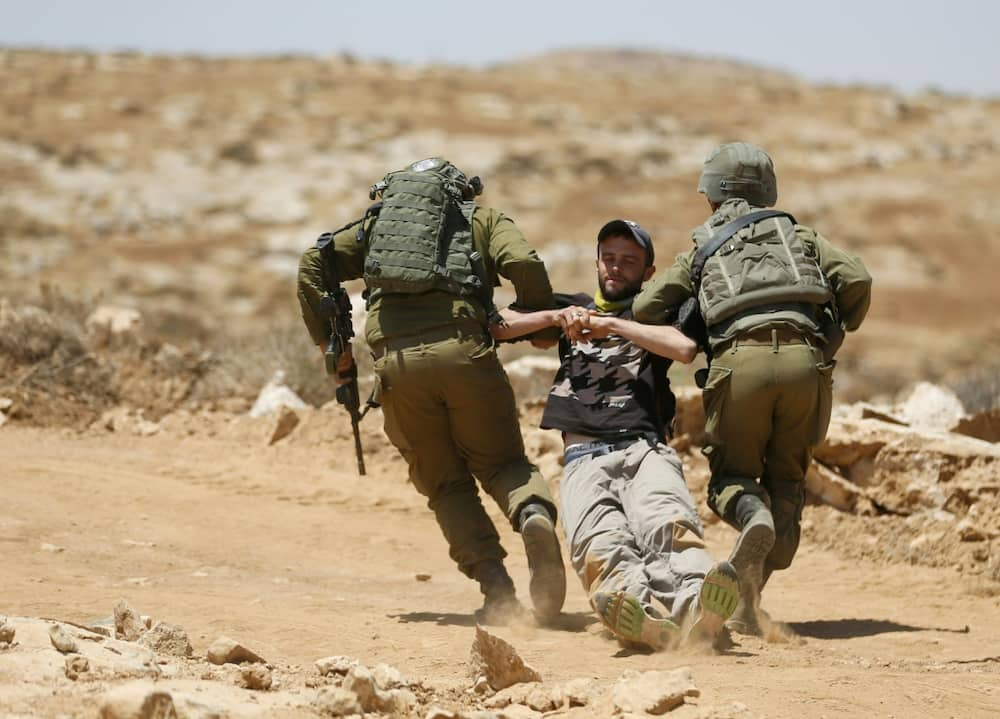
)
(344, 364)
(599, 326)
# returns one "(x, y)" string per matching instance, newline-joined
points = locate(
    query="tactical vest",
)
(422, 237)
(765, 264)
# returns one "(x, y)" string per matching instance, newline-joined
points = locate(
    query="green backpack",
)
(421, 239)
(757, 261)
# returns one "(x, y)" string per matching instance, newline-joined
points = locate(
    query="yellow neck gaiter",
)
(611, 306)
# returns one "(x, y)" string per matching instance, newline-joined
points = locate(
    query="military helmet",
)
(739, 169)
(468, 188)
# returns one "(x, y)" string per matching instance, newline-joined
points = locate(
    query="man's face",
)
(621, 267)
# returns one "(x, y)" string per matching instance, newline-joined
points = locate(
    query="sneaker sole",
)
(548, 575)
(717, 600)
(625, 617)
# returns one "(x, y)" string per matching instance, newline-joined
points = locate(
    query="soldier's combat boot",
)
(500, 603)
(752, 547)
(545, 564)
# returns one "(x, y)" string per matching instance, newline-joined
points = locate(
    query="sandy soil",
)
(284, 547)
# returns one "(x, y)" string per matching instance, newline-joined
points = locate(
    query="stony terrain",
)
(174, 475)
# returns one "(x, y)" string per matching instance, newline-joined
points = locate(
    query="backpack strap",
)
(722, 236)
(372, 211)
(689, 319)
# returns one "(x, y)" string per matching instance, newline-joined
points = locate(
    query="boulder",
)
(830, 488)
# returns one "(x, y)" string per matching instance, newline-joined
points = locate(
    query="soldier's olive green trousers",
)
(766, 408)
(450, 411)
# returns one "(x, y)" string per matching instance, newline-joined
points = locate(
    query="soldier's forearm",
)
(519, 324)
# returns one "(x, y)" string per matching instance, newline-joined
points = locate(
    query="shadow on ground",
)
(853, 628)
(574, 622)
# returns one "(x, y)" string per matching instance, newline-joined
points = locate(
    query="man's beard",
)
(622, 293)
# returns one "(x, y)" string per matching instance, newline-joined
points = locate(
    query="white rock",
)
(275, 395)
(335, 665)
(62, 640)
(930, 407)
(108, 321)
(653, 692)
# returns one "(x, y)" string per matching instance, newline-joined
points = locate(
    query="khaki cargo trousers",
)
(766, 407)
(450, 411)
(631, 524)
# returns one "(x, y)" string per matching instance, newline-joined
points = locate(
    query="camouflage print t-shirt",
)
(608, 388)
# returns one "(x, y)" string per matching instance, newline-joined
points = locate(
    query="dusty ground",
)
(284, 547)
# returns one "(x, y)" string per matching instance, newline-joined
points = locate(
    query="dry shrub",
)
(979, 388)
(243, 366)
(31, 334)
(46, 366)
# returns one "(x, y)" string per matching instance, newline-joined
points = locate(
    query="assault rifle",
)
(336, 306)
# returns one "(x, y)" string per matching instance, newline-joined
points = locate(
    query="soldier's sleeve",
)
(849, 279)
(665, 293)
(315, 277)
(514, 259)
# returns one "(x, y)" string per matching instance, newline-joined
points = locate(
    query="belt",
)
(596, 448)
(766, 337)
(428, 336)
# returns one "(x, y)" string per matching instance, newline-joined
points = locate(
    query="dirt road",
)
(205, 525)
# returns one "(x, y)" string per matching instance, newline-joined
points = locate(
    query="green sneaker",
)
(626, 618)
(716, 602)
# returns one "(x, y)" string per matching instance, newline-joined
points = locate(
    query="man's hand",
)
(600, 326)
(574, 322)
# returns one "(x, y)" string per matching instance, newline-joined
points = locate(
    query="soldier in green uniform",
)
(775, 297)
(430, 257)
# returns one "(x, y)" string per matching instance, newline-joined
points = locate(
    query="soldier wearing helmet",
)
(771, 300)
(430, 257)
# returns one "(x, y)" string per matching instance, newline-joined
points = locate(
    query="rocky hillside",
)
(186, 187)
